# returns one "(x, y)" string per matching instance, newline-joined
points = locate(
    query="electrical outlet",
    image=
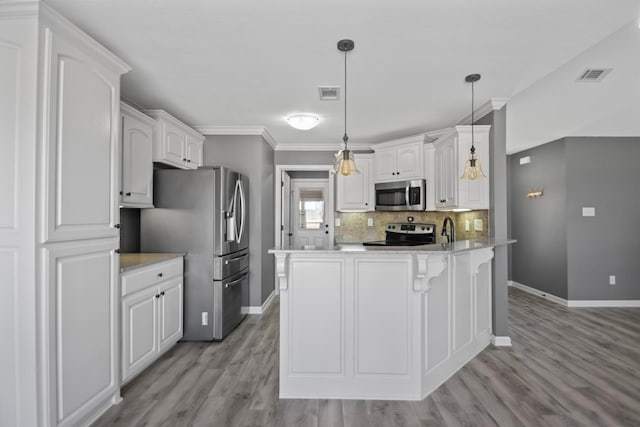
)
(370, 222)
(337, 222)
(205, 318)
(466, 225)
(588, 211)
(612, 279)
(477, 224)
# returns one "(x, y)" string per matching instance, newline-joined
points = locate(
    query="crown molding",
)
(489, 106)
(321, 147)
(239, 130)
(19, 9)
(399, 141)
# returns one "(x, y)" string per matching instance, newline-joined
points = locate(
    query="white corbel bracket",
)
(281, 270)
(427, 268)
(479, 257)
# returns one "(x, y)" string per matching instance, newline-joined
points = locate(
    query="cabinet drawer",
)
(140, 278)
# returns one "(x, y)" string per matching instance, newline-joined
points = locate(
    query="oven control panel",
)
(410, 228)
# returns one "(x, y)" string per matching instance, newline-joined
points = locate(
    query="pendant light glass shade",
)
(345, 161)
(472, 167)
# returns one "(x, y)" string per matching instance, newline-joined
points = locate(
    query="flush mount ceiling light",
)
(472, 167)
(345, 162)
(303, 121)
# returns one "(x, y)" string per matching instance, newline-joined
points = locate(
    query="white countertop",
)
(450, 248)
(130, 261)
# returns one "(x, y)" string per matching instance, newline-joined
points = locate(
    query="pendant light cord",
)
(345, 138)
(473, 148)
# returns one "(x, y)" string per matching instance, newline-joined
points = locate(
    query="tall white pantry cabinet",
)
(59, 125)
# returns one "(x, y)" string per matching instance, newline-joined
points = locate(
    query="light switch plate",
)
(337, 222)
(466, 225)
(477, 224)
(588, 211)
(370, 222)
(525, 160)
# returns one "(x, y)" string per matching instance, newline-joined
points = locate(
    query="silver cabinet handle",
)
(236, 259)
(406, 195)
(235, 282)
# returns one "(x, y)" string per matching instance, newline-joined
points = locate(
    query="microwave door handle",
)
(406, 195)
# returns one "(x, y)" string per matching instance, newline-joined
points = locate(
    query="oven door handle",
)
(235, 282)
(406, 195)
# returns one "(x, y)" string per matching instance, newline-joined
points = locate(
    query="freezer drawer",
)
(230, 265)
(227, 300)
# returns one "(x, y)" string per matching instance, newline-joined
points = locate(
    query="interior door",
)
(285, 220)
(310, 210)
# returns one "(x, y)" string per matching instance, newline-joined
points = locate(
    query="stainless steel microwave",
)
(401, 195)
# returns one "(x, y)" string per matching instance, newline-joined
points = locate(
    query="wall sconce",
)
(534, 193)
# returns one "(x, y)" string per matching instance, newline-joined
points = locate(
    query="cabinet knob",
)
(159, 274)
(162, 293)
(188, 161)
(116, 226)
(397, 173)
(393, 173)
(184, 160)
(158, 296)
(326, 232)
(121, 193)
(366, 204)
(128, 193)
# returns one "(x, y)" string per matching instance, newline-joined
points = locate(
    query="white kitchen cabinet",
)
(356, 193)
(152, 308)
(137, 164)
(450, 154)
(175, 143)
(59, 182)
(399, 160)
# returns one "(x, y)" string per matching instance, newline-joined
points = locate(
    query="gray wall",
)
(305, 157)
(498, 202)
(561, 252)
(253, 157)
(129, 230)
(539, 259)
(603, 173)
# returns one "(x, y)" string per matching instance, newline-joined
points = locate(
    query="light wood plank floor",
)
(567, 367)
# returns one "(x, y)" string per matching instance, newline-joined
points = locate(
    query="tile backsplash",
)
(353, 225)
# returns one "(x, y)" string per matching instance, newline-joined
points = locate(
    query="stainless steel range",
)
(406, 234)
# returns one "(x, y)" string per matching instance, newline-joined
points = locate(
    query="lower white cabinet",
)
(152, 306)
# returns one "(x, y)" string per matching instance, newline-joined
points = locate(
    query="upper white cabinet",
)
(137, 165)
(355, 193)
(59, 184)
(176, 144)
(450, 153)
(399, 160)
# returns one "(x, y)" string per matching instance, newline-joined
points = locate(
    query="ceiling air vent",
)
(329, 93)
(593, 74)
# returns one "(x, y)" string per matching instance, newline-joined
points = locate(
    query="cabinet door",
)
(439, 178)
(354, 191)
(81, 285)
(385, 165)
(137, 166)
(139, 331)
(174, 145)
(81, 146)
(450, 173)
(170, 312)
(409, 161)
(194, 152)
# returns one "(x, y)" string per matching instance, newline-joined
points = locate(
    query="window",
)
(311, 208)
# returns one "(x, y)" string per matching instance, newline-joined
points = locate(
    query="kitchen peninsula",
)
(381, 322)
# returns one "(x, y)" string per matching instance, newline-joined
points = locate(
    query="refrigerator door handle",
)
(243, 210)
(235, 282)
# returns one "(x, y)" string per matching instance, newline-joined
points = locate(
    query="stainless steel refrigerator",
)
(205, 214)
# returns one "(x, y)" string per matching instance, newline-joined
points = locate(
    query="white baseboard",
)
(604, 303)
(538, 292)
(575, 303)
(501, 341)
(258, 309)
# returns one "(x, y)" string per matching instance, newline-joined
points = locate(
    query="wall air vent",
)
(329, 93)
(593, 74)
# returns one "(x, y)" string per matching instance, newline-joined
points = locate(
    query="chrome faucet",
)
(451, 237)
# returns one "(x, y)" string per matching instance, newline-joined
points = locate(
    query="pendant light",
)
(472, 167)
(345, 162)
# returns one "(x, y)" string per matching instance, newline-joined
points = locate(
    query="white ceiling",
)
(248, 63)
